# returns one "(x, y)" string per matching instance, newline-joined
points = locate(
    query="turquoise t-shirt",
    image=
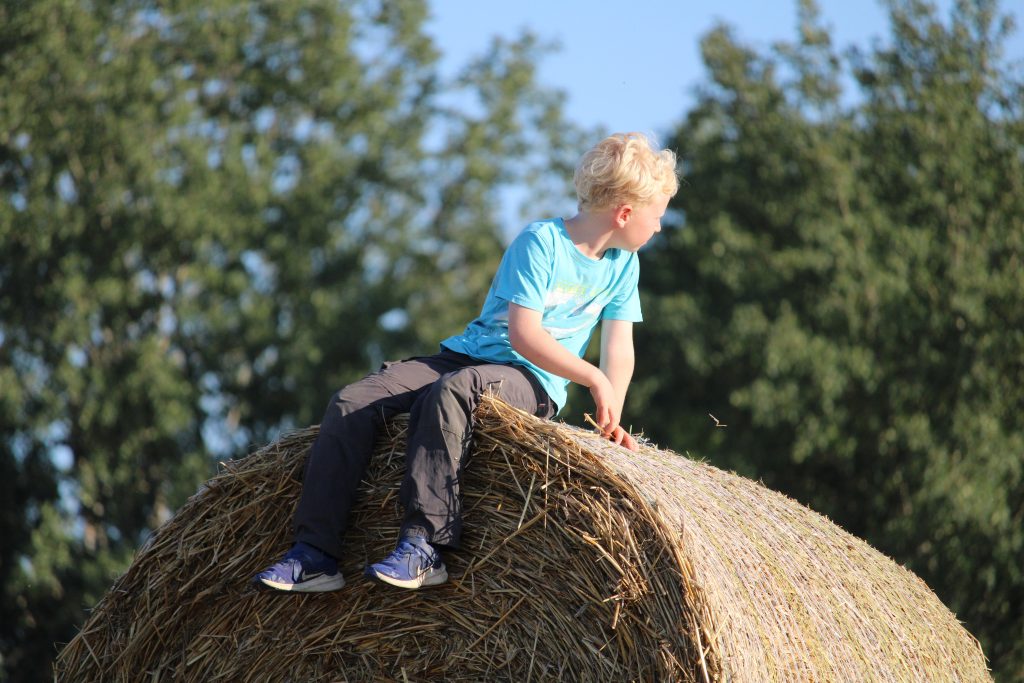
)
(544, 271)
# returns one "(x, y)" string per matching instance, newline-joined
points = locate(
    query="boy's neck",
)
(591, 232)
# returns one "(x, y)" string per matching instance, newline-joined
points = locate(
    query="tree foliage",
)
(214, 214)
(843, 291)
(211, 216)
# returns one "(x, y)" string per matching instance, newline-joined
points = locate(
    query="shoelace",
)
(297, 561)
(406, 548)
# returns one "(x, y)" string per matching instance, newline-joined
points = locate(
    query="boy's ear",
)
(622, 214)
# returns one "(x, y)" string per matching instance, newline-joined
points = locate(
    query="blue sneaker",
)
(304, 569)
(413, 564)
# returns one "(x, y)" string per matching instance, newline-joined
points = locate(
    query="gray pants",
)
(440, 393)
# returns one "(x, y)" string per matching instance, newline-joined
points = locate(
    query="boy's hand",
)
(619, 436)
(606, 414)
(623, 438)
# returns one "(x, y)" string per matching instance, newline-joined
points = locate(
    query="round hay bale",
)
(580, 561)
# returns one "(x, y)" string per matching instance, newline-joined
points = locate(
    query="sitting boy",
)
(556, 280)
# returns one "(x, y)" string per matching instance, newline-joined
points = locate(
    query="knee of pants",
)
(452, 395)
(342, 405)
(463, 385)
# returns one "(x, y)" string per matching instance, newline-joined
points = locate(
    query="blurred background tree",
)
(843, 290)
(213, 215)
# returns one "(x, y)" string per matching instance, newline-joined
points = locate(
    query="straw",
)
(581, 561)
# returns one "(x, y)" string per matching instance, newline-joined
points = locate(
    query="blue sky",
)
(632, 65)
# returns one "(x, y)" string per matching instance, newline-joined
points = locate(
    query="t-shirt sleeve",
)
(625, 305)
(524, 275)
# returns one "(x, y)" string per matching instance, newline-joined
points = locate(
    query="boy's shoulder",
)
(551, 235)
(546, 228)
(538, 237)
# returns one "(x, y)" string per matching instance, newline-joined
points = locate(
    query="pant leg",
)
(338, 458)
(443, 419)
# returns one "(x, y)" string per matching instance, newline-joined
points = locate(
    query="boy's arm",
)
(617, 360)
(530, 340)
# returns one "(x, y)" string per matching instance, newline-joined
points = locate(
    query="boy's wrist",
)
(594, 376)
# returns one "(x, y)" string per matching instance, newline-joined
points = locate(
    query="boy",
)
(555, 281)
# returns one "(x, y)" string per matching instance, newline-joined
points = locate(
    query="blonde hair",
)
(624, 168)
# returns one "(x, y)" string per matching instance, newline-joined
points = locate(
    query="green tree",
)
(211, 216)
(843, 291)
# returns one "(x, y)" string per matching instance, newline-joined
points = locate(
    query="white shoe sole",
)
(433, 577)
(320, 584)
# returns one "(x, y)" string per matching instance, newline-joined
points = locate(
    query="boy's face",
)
(640, 223)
